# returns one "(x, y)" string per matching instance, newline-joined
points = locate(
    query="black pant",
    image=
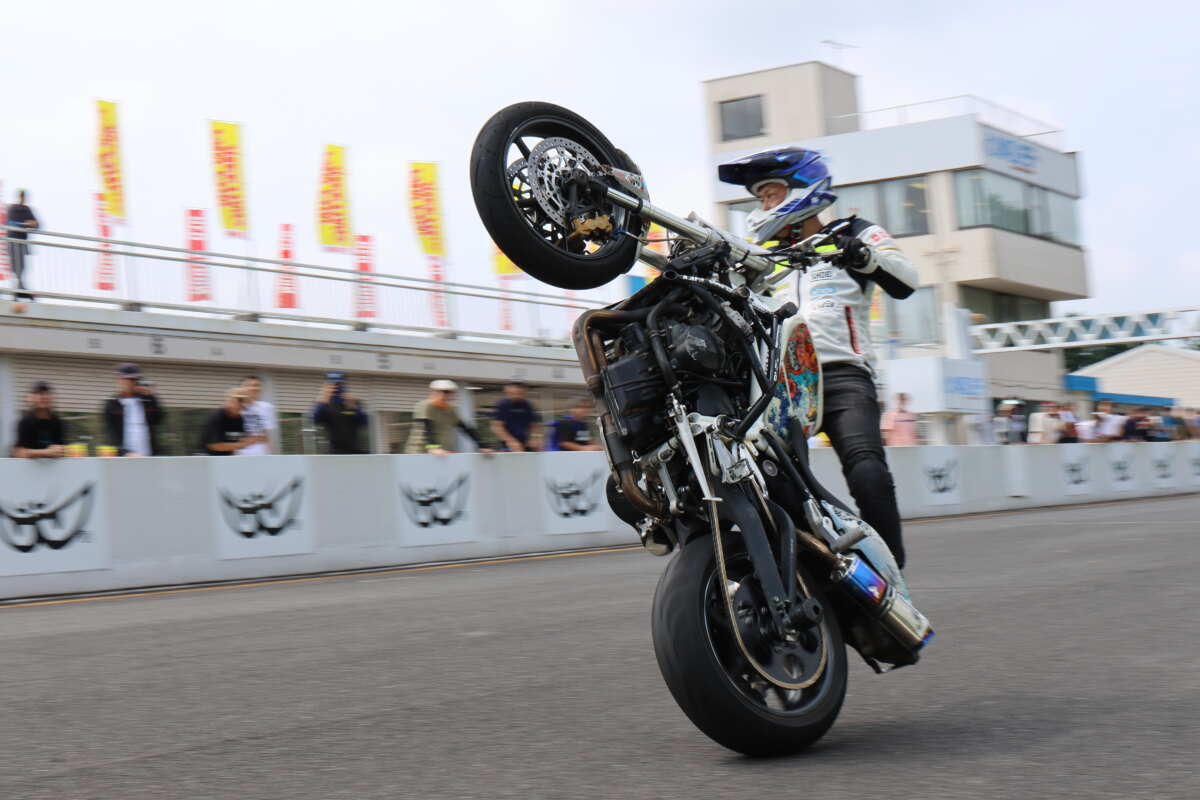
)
(18, 251)
(851, 419)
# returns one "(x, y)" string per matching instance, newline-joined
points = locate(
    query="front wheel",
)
(710, 678)
(522, 167)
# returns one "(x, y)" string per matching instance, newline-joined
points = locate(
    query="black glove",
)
(855, 253)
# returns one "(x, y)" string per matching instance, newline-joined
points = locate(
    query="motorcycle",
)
(707, 386)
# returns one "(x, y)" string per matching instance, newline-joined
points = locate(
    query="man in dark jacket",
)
(40, 433)
(340, 414)
(20, 216)
(133, 415)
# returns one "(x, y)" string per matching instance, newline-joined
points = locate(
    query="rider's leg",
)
(851, 419)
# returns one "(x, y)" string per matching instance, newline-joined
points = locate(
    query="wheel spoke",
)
(524, 148)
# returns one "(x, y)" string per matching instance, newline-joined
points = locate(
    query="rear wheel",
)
(520, 169)
(710, 678)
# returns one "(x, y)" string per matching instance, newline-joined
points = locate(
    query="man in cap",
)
(436, 423)
(133, 415)
(40, 433)
(341, 414)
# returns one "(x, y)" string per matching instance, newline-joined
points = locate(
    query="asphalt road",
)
(1066, 665)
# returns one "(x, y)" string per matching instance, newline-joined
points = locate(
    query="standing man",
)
(514, 417)
(572, 431)
(132, 417)
(436, 423)
(899, 425)
(1111, 427)
(259, 418)
(225, 432)
(1045, 426)
(40, 433)
(793, 187)
(341, 414)
(21, 216)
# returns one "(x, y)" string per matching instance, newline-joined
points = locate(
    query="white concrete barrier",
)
(77, 525)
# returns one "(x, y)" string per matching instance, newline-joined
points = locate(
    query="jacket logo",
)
(253, 513)
(574, 498)
(943, 479)
(430, 505)
(1122, 471)
(27, 526)
(1077, 472)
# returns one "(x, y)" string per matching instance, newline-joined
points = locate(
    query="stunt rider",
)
(793, 187)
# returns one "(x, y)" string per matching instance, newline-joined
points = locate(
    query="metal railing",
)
(64, 268)
(984, 110)
(1084, 330)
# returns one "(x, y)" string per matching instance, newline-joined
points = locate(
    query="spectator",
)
(1193, 424)
(341, 414)
(225, 432)
(1070, 425)
(1111, 427)
(132, 417)
(513, 418)
(1139, 427)
(40, 433)
(572, 431)
(258, 416)
(1002, 425)
(436, 423)
(1045, 426)
(1017, 429)
(899, 425)
(1088, 430)
(20, 215)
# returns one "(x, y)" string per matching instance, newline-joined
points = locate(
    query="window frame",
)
(762, 117)
(1037, 213)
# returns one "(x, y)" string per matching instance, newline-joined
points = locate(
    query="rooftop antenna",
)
(836, 49)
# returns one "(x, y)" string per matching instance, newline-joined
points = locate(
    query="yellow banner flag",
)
(333, 203)
(427, 207)
(503, 264)
(108, 160)
(227, 171)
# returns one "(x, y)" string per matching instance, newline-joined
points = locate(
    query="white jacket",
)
(837, 301)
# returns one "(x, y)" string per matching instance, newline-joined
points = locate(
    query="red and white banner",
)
(199, 280)
(287, 292)
(3, 235)
(425, 202)
(106, 264)
(364, 290)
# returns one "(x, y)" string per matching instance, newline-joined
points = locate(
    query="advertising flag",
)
(427, 216)
(503, 265)
(198, 285)
(3, 235)
(287, 293)
(108, 160)
(507, 271)
(333, 202)
(106, 269)
(229, 177)
(364, 290)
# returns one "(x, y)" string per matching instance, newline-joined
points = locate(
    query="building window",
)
(1000, 307)
(913, 320)
(861, 200)
(986, 198)
(742, 118)
(906, 211)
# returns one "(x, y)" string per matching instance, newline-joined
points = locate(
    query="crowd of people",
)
(1057, 423)
(246, 424)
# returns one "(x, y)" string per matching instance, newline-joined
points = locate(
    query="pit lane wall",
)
(78, 525)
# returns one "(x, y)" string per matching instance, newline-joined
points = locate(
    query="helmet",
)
(803, 171)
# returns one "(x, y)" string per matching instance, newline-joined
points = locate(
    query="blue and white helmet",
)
(804, 173)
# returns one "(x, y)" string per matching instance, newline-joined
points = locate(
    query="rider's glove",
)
(855, 252)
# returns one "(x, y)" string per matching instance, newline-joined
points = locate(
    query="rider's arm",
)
(887, 265)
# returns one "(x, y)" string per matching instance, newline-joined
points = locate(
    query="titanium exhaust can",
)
(893, 610)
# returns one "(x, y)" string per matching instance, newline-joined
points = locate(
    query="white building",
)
(980, 198)
(1152, 369)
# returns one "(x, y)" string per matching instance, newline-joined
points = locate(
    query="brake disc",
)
(548, 165)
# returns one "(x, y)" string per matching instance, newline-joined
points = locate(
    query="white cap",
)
(443, 385)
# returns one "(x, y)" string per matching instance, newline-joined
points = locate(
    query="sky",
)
(400, 82)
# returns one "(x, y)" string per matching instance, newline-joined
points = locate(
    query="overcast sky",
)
(396, 83)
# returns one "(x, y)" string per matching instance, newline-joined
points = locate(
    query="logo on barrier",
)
(1196, 467)
(1077, 472)
(28, 526)
(264, 512)
(429, 505)
(1163, 469)
(1122, 470)
(575, 498)
(943, 479)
